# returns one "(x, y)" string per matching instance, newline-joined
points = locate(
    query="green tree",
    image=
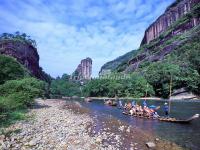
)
(159, 74)
(64, 87)
(194, 58)
(135, 86)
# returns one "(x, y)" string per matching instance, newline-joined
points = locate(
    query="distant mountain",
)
(118, 63)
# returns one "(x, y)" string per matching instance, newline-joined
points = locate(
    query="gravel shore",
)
(60, 126)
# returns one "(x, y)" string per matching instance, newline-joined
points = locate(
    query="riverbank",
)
(60, 125)
(51, 128)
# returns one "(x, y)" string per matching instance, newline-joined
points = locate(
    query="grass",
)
(11, 117)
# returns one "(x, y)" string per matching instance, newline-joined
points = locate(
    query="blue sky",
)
(67, 31)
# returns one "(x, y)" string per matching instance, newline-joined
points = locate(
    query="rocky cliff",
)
(173, 13)
(24, 53)
(83, 70)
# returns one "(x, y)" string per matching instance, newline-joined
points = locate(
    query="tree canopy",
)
(134, 86)
(64, 87)
(17, 36)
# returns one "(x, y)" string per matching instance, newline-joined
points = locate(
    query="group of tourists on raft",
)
(134, 109)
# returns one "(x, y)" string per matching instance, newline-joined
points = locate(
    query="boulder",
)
(151, 144)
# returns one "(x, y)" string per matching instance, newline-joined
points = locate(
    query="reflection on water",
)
(186, 135)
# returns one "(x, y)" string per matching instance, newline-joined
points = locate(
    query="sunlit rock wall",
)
(172, 14)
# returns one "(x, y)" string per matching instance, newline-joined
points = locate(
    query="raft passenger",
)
(128, 106)
(133, 103)
(133, 111)
(166, 109)
(120, 104)
(144, 103)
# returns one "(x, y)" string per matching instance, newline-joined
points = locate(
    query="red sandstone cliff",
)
(84, 70)
(171, 15)
(26, 54)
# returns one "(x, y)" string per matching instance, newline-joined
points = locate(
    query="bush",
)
(190, 79)
(11, 69)
(20, 93)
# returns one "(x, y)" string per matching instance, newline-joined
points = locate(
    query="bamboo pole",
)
(170, 93)
(146, 90)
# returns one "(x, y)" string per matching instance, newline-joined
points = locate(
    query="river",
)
(185, 135)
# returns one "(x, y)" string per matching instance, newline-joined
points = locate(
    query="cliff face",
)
(84, 70)
(24, 53)
(171, 15)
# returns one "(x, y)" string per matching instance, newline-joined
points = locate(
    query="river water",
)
(185, 135)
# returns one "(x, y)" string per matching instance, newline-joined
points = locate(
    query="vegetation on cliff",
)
(159, 74)
(18, 37)
(119, 63)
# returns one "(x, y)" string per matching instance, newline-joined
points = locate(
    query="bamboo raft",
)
(167, 119)
(88, 99)
(110, 103)
(113, 104)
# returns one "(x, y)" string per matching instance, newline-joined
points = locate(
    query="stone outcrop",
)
(24, 53)
(182, 94)
(84, 70)
(171, 15)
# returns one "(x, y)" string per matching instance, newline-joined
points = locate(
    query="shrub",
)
(20, 93)
(10, 69)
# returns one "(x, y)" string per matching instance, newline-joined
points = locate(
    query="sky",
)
(67, 31)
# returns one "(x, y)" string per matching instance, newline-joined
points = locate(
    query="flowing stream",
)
(185, 135)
